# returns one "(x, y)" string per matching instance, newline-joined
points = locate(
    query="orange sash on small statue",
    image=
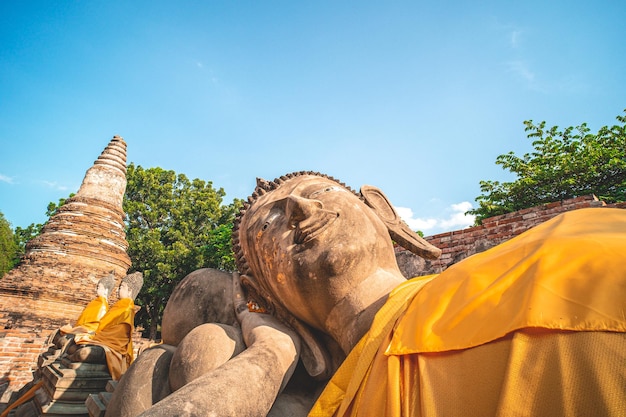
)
(89, 318)
(114, 335)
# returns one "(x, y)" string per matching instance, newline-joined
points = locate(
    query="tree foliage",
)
(54, 207)
(174, 226)
(23, 236)
(8, 248)
(564, 164)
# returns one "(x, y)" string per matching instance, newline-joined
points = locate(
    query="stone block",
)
(111, 385)
(64, 409)
(75, 383)
(95, 406)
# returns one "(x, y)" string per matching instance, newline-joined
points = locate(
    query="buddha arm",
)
(246, 385)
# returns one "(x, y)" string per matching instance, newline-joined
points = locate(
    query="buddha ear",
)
(398, 229)
(315, 357)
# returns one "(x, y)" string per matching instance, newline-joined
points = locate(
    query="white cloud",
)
(6, 179)
(406, 214)
(515, 38)
(522, 71)
(520, 68)
(458, 219)
(56, 186)
(453, 218)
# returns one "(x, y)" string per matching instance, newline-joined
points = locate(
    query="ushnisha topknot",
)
(108, 282)
(134, 282)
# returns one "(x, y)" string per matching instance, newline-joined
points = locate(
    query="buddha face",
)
(124, 291)
(101, 291)
(312, 240)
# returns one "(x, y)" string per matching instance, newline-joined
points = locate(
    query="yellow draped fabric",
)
(345, 382)
(90, 317)
(534, 326)
(114, 335)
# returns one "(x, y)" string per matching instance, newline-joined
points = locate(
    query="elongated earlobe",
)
(398, 229)
(315, 357)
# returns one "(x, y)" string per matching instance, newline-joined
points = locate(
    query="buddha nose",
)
(299, 208)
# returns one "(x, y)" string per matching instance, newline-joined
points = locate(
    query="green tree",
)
(565, 164)
(8, 247)
(52, 208)
(23, 236)
(174, 226)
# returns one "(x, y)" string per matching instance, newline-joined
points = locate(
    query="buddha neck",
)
(352, 316)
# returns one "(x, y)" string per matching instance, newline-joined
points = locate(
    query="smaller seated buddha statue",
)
(112, 340)
(89, 319)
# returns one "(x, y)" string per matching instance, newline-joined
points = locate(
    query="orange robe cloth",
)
(89, 318)
(534, 326)
(114, 335)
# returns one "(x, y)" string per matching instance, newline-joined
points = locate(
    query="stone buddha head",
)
(131, 285)
(105, 285)
(305, 240)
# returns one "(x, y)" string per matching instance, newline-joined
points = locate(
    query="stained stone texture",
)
(203, 296)
(83, 242)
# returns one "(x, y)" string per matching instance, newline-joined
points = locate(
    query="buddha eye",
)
(268, 221)
(325, 190)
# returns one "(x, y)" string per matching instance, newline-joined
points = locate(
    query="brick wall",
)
(19, 349)
(460, 244)
(25, 326)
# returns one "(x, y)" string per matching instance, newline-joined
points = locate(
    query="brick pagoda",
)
(84, 241)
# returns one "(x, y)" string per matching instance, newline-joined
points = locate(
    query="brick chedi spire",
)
(81, 243)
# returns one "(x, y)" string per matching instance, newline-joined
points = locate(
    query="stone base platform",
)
(97, 403)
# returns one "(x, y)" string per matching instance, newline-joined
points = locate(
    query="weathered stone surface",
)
(67, 386)
(58, 409)
(74, 384)
(192, 359)
(27, 410)
(146, 376)
(198, 299)
(95, 407)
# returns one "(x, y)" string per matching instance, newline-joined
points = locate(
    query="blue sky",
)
(417, 98)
